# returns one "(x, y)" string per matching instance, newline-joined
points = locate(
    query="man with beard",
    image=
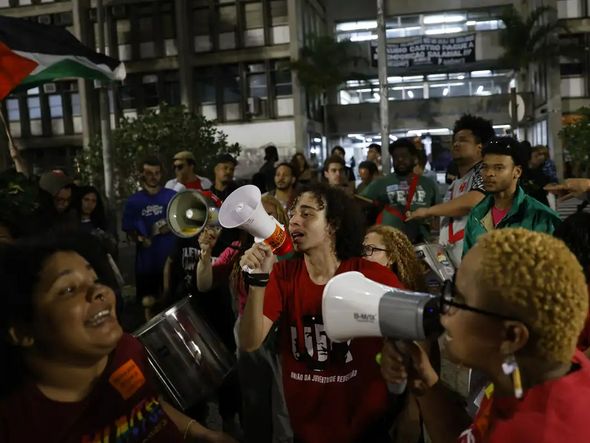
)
(144, 220)
(285, 180)
(470, 134)
(223, 173)
(506, 205)
(402, 191)
(334, 392)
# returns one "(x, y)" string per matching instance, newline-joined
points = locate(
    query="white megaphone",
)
(243, 209)
(189, 212)
(355, 306)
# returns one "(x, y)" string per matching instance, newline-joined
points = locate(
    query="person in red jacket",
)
(69, 374)
(334, 391)
(514, 313)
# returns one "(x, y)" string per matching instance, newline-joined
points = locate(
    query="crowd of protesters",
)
(519, 303)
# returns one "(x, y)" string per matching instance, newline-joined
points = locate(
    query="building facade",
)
(228, 59)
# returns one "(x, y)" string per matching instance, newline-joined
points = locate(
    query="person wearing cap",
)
(184, 168)
(271, 156)
(223, 176)
(506, 204)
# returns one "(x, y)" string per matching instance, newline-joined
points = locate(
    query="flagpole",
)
(105, 115)
(19, 162)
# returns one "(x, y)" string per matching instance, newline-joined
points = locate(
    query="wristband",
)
(259, 280)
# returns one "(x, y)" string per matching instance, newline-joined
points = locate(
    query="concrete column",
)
(184, 40)
(82, 30)
(554, 106)
(295, 10)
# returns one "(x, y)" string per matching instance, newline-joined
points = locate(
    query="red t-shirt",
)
(123, 406)
(552, 412)
(334, 391)
(584, 338)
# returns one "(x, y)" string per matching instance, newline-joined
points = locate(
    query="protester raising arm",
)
(457, 207)
(571, 187)
(254, 325)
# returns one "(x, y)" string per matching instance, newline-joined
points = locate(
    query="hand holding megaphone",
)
(259, 259)
(409, 366)
(243, 209)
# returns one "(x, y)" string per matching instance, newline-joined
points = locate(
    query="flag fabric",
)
(32, 54)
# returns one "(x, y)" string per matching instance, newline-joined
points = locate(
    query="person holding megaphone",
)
(334, 391)
(517, 329)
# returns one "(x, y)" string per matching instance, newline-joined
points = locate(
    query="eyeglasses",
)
(179, 166)
(447, 302)
(368, 250)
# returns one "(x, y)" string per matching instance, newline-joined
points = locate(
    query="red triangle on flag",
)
(13, 69)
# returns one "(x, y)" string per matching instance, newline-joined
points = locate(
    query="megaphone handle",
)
(399, 388)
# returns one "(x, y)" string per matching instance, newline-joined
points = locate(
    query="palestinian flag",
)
(32, 54)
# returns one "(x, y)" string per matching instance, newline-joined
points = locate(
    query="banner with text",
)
(429, 51)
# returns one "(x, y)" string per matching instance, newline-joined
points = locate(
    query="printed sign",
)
(426, 50)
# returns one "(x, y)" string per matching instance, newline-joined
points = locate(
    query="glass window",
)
(168, 26)
(4, 3)
(146, 29)
(278, 12)
(55, 106)
(230, 84)
(34, 105)
(253, 15)
(569, 8)
(150, 91)
(13, 109)
(201, 21)
(227, 18)
(128, 95)
(76, 107)
(282, 80)
(123, 31)
(171, 89)
(205, 79)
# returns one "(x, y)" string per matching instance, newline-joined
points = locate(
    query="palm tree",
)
(324, 65)
(534, 39)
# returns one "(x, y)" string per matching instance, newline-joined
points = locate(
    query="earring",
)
(510, 367)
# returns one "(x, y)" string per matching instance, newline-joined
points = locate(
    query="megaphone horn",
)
(189, 212)
(243, 209)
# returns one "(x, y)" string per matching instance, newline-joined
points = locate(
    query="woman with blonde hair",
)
(391, 248)
(514, 312)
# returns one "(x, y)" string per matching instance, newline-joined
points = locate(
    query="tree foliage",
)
(533, 39)
(576, 139)
(326, 63)
(157, 132)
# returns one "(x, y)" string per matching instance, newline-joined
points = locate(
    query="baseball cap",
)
(185, 155)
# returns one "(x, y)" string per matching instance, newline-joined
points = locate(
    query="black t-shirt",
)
(184, 257)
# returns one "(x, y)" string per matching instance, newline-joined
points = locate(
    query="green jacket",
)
(526, 212)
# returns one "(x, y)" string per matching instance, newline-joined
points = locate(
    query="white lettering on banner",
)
(467, 436)
(152, 210)
(315, 378)
(429, 50)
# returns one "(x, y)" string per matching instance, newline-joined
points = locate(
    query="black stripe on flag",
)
(28, 36)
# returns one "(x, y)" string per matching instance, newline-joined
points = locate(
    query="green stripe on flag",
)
(64, 68)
